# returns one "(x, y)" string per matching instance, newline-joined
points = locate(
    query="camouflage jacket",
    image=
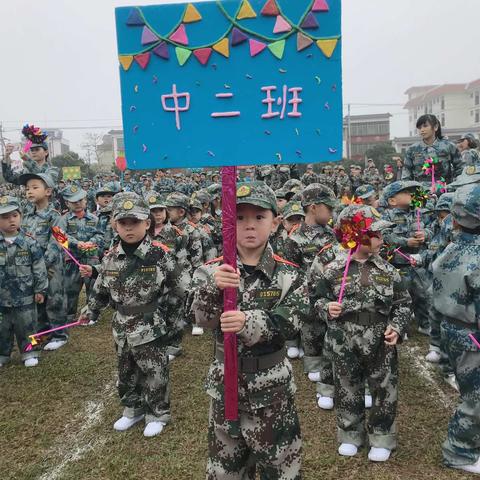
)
(215, 226)
(449, 164)
(165, 186)
(310, 178)
(372, 286)
(130, 186)
(456, 281)
(405, 226)
(177, 241)
(371, 176)
(29, 166)
(328, 180)
(22, 271)
(104, 225)
(38, 224)
(277, 241)
(209, 250)
(194, 243)
(84, 229)
(343, 186)
(274, 300)
(306, 242)
(148, 278)
(470, 157)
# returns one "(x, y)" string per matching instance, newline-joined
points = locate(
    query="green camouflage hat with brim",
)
(378, 224)
(365, 191)
(154, 200)
(466, 206)
(107, 189)
(202, 196)
(177, 199)
(195, 204)
(316, 194)
(9, 204)
(45, 177)
(444, 203)
(258, 194)
(73, 193)
(469, 175)
(132, 207)
(396, 187)
(293, 208)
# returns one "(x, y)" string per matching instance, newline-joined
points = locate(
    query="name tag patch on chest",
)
(112, 273)
(382, 280)
(310, 248)
(148, 270)
(268, 294)
(22, 253)
(91, 223)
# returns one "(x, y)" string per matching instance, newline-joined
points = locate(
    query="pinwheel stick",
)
(45, 332)
(69, 253)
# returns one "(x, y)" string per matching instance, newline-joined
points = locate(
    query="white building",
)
(112, 147)
(57, 144)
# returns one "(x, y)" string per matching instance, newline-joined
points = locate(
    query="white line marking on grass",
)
(77, 442)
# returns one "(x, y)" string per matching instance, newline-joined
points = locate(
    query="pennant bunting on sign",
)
(246, 11)
(327, 46)
(270, 9)
(202, 55)
(238, 37)
(126, 61)
(180, 35)
(222, 47)
(277, 48)
(310, 22)
(256, 47)
(281, 25)
(148, 36)
(142, 59)
(191, 14)
(320, 6)
(134, 18)
(303, 41)
(161, 51)
(183, 54)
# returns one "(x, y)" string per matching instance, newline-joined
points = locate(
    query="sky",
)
(60, 69)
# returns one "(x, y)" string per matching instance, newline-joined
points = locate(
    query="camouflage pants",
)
(417, 282)
(73, 286)
(359, 355)
(268, 440)
(462, 446)
(53, 312)
(437, 343)
(143, 381)
(19, 323)
(317, 354)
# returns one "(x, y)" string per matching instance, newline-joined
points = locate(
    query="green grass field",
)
(56, 420)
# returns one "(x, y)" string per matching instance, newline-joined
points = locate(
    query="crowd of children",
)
(337, 283)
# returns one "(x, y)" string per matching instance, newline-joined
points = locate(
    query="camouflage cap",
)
(133, 207)
(468, 136)
(108, 188)
(293, 208)
(317, 193)
(444, 203)
(368, 212)
(257, 193)
(72, 193)
(266, 169)
(154, 200)
(9, 204)
(202, 196)
(195, 204)
(121, 197)
(44, 145)
(215, 190)
(49, 182)
(396, 187)
(470, 174)
(280, 193)
(177, 199)
(284, 169)
(293, 185)
(365, 191)
(466, 206)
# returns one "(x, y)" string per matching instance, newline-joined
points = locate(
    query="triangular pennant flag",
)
(281, 25)
(303, 41)
(270, 9)
(327, 46)
(191, 14)
(134, 18)
(126, 61)
(162, 51)
(256, 47)
(222, 47)
(203, 54)
(320, 6)
(246, 11)
(180, 35)
(238, 36)
(277, 48)
(148, 36)
(142, 59)
(182, 55)
(310, 22)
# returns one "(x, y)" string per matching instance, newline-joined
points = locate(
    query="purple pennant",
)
(310, 22)
(238, 36)
(162, 51)
(148, 36)
(134, 18)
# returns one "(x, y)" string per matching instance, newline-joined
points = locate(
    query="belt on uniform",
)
(135, 309)
(254, 364)
(364, 318)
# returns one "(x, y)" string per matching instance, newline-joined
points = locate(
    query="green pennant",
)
(277, 48)
(182, 55)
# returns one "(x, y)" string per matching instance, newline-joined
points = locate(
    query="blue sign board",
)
(238, 82)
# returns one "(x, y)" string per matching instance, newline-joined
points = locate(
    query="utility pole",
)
(2, 141)
(349, 134)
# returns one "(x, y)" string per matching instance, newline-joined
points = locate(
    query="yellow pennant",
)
(327, 46)
(222, 47)
(126, 61)
(246, 11)
(191, 14)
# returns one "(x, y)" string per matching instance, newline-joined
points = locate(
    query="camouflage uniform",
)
(404, 226)
(309, 176)
(456, 287)
(343, 185)
(449, 164)
(38, 224)
(375, 297)
(292, 209)
(302, 247)
(265, 174)
(22, 275)
(372, 176)
(145, 291)
(85, 229)
(280, 176)
(209, 252)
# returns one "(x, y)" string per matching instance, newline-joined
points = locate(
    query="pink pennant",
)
(142, 59)
(180, 35)
(148, 36)
(203, 54)
(256, 47)
(281, 25)
(320, 6)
